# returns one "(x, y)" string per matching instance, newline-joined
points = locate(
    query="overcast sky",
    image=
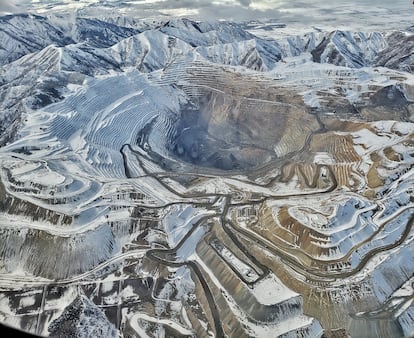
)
(6, 6)
(287, 11)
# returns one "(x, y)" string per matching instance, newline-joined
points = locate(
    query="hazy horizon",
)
(305, 12)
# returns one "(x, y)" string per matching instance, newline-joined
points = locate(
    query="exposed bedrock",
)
(55, 257)
(240, 124)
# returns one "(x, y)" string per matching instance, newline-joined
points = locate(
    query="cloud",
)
(236, 13)
(236, 10)
(245, 2)
(304, 13)
(12, 6)
(7, 6)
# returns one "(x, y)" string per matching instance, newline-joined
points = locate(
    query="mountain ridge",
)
(173, 177)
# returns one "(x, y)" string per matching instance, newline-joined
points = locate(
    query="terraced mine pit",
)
(238, 124)
(215, 184)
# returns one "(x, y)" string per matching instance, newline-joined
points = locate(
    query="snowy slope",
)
(175, 177)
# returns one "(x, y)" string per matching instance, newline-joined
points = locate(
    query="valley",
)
(190, 179)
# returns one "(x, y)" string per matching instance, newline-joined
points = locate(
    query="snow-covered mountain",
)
(61, 49)
(183, 178)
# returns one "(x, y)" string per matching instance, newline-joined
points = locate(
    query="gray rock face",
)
(82, 319)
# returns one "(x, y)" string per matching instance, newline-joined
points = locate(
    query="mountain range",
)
(173, 177)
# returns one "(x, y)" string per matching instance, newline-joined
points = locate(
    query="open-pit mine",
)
(175, 178)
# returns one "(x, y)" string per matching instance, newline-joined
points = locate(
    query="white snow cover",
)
(89, 111)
